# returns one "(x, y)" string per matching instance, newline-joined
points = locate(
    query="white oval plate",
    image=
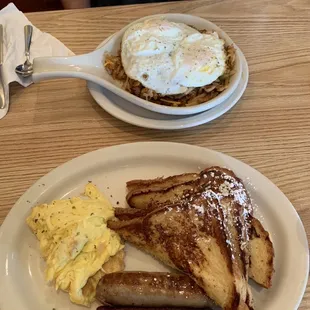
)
(135, 115)
(22, 283)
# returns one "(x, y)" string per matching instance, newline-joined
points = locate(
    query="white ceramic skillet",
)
(90, 67)
(135, 115)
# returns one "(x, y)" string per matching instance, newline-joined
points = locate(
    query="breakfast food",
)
(114, 264)
(262, 255)
(199, 224)
(143, 308)
(172, 63)
(206, 232)
(76, 244)
(149, 193)
(200, 237)
(151, 289)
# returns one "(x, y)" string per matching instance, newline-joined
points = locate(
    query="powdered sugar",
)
(200, 209)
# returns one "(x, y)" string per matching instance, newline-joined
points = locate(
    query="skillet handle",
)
(82, 66)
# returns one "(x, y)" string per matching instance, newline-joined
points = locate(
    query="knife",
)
(2, 94)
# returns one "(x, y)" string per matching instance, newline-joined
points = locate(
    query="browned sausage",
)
(151, 289)
(142, 308)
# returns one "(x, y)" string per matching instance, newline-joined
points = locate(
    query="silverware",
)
(26, 69)
(2, 93)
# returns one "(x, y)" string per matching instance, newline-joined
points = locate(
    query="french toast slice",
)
(261, 268)
(161, 183)
(204, 235)
(145, 193)
(173, 189)
(220, 179)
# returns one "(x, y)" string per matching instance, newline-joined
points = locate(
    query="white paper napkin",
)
(43, 44)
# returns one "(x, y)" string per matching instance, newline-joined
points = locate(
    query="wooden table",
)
(269, 129)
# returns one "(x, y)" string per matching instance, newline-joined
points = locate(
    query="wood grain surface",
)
(51, 122)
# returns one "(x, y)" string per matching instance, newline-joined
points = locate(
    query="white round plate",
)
(22, 284)
(135, 115)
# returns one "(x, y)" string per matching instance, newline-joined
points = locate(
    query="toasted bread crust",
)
(262, 255)
(138, 185)
(151, 191)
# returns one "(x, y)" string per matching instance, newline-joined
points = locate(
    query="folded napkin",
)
(43, 44)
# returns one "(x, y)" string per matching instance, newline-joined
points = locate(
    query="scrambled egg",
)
(76, 243)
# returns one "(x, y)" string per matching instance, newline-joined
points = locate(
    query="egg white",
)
(170, 58)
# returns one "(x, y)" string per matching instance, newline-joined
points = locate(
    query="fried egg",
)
(75, 241)
(170, 58)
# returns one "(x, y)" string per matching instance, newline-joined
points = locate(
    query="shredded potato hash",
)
(197, 95)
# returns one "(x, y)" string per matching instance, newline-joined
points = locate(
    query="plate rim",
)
(96, 155)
